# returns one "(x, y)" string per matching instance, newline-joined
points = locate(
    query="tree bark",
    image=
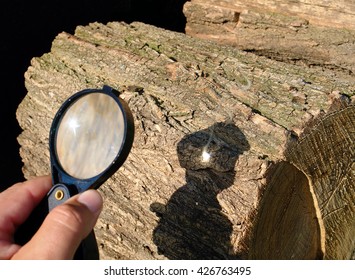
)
(169, 200)
(314, 33)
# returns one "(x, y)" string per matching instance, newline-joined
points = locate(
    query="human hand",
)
(62, 230)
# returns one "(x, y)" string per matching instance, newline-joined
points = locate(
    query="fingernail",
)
(92, 200)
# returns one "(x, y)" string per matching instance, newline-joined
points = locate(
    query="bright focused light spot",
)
(73, 124)
(206, 156)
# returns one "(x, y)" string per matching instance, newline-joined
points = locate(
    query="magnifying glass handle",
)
(87, 250)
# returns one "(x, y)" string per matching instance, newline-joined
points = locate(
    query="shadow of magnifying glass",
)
(192, 225)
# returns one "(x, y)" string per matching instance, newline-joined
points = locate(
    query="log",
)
(319, 12)
(313, 33)
(217, 131)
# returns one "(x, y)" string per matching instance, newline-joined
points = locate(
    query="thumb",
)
(64, 228)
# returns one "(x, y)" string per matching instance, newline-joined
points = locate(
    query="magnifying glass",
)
(90, 138)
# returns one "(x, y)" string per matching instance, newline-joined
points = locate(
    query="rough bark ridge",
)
(187, 95)
(313, 33)
(338, 14)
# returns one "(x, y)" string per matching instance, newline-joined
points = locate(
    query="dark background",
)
(28, 29)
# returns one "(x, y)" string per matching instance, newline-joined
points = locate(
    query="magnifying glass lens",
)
(90, 135)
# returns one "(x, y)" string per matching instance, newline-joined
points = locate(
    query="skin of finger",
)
(61, 232)
(8, 249)
(18, 201)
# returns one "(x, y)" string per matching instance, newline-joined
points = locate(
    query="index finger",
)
(18, 201)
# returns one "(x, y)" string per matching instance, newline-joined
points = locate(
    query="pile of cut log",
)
(236, 155)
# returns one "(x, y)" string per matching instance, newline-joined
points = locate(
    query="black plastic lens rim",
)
(59, 175)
